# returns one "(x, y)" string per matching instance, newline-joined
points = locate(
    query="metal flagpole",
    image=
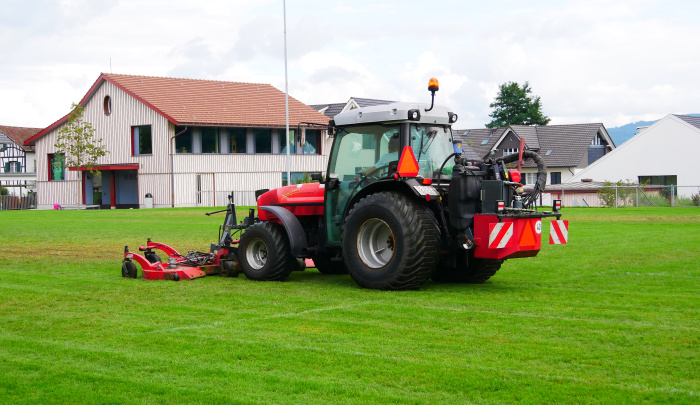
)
(286, 92)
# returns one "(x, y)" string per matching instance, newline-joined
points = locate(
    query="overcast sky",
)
(613, 62)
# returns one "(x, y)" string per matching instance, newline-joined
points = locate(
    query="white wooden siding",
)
(241, 173)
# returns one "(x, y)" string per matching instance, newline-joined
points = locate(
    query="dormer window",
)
(597, 140)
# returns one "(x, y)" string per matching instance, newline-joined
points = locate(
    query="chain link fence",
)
(620, 196)
(645, 196)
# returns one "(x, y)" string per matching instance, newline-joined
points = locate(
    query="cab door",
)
(355, 150)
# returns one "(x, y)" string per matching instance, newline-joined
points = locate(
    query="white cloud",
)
(589, 60)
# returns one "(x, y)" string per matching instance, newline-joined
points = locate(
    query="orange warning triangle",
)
(408, 165)
(528, 239)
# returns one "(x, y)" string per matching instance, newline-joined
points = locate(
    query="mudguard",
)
(295, 232)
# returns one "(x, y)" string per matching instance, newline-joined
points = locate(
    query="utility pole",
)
(286, 92)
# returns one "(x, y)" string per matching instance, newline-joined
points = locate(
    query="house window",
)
(183, 142)
(283, 140)
(263, 140)
(313, 142)
(107, 105)
(597, 141)
(210, 140)
(142, 141)
(3, 147)
(530, 178)
(297, 178)
(510, 151)
(237, 140)
(659, 180)
(555, 178)
(57, 168)
(13, 167)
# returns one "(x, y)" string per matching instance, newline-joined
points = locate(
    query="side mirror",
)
(317, 177)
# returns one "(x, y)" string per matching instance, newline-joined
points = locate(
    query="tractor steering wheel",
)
(367, 176)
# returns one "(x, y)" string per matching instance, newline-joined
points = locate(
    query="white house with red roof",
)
(184, 142)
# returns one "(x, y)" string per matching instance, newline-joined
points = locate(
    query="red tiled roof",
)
(19, 135)
(215, 102)
(207, 102)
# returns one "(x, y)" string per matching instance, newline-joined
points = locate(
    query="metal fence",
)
(604, 196)
(12, 202)
(220, 198)
(629, 196)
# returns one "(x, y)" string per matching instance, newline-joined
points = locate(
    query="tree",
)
(515, 106)
(76, 143)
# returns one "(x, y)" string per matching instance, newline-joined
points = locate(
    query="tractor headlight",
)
(452, 117)
(414, 115)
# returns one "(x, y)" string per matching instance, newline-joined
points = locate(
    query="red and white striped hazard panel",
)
(500, 234)
(558, 232)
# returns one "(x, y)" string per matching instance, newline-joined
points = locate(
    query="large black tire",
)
(264, 253)
(469, 269)
(325, 265)
(390, 242)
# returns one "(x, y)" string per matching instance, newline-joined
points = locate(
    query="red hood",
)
(300, 199)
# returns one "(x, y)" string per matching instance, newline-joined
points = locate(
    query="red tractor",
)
(399, 204)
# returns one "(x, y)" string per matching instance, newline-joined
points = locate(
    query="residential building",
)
(17, 161)
(333, 109)
(566, 149)
(654, 157)
(183, 142)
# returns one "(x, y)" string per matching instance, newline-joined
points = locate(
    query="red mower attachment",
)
(221, 259)
(177, 267)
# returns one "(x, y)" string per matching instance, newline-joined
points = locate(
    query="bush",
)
(695, 198)
(4, 191)
(625, 193)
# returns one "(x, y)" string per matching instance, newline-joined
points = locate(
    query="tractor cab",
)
(377, 146)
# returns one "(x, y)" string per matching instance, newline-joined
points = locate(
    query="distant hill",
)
(623, 133)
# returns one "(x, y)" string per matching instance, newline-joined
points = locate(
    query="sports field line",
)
(558, 318)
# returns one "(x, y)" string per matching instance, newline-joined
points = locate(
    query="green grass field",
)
(613, 317)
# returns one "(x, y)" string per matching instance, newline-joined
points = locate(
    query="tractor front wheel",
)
(390, 242)
(264, 253)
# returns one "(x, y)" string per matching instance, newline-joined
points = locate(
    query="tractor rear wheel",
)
(390, 242)
(469, 270)
(325, 265)
(264, 253)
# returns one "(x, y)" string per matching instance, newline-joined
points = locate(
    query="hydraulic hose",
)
(531, 197)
